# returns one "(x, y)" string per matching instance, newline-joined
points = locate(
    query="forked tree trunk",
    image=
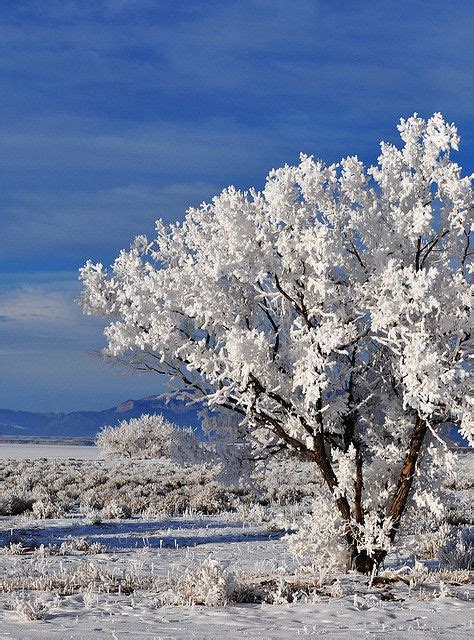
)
(360, 560)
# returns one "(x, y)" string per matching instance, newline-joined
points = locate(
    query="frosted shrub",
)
(94, 548)
(29, 609)
(281, 593)
(81, 544)
(45, 508)
(457, 551)
(70, 578)
(93, 518)
(254, 514)
(91, 501)
(319, 539)
(288, 479)
(429, 543)
(338, 590)
(207, 584)
(43, 551)
(13, 549)
(461, 509)
(174, 503)
(13, 503)
(209, 499)
(115, 510)
(150, 437)
(146, 486)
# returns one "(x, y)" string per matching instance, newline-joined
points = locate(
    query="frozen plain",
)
(49, 451)
(164, 548)
(153, 551)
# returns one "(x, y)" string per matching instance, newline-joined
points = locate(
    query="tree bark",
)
(359, 560)
(358, 486)
(399, 502)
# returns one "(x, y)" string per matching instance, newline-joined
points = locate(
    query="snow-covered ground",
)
(14, 451)
(152, 552)
(87, 578)
(120, 617)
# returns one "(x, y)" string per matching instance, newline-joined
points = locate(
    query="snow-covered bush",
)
(207, 584)
(154, 487)
(254, 514)
(13, 503)
(115, 510)
(287, 479)
(93, 518)
(68, 578)
(429, 542)
(338, 590)
(29, 608)
(458, 549)
(13, 549)
(92, 500)
(45, 551)
(150, 437)
(319, 538)
(210, 499)
(330, 313)
(45, 509)
(81, 544)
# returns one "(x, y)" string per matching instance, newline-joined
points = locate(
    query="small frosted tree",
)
(330, 312)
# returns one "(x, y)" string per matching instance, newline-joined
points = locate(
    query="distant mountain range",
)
(86, 424)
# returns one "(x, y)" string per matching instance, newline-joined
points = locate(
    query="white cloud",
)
(48, 350)
(32, 303)
(45, 314)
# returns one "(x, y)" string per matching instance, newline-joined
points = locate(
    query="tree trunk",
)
(360, 560)
(407, 474)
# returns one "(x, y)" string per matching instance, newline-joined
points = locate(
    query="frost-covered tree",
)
(330, 312)
(150, 437)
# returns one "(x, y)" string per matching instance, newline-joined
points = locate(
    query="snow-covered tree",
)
(150, 437)
(330, 311)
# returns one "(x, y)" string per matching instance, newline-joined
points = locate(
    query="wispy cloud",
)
(45, 313)
(46, 350)
(33, 303)
(81, 223)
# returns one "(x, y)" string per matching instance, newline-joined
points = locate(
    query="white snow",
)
(162, 548)
(18, 451)
(120, 617)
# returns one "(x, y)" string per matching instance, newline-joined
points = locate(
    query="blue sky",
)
(116, 112)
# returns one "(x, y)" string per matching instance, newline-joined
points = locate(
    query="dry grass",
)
(28, 609)
(67, 580)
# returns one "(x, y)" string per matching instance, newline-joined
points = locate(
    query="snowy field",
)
(64, 574)
(20, 451)
(144, 555)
